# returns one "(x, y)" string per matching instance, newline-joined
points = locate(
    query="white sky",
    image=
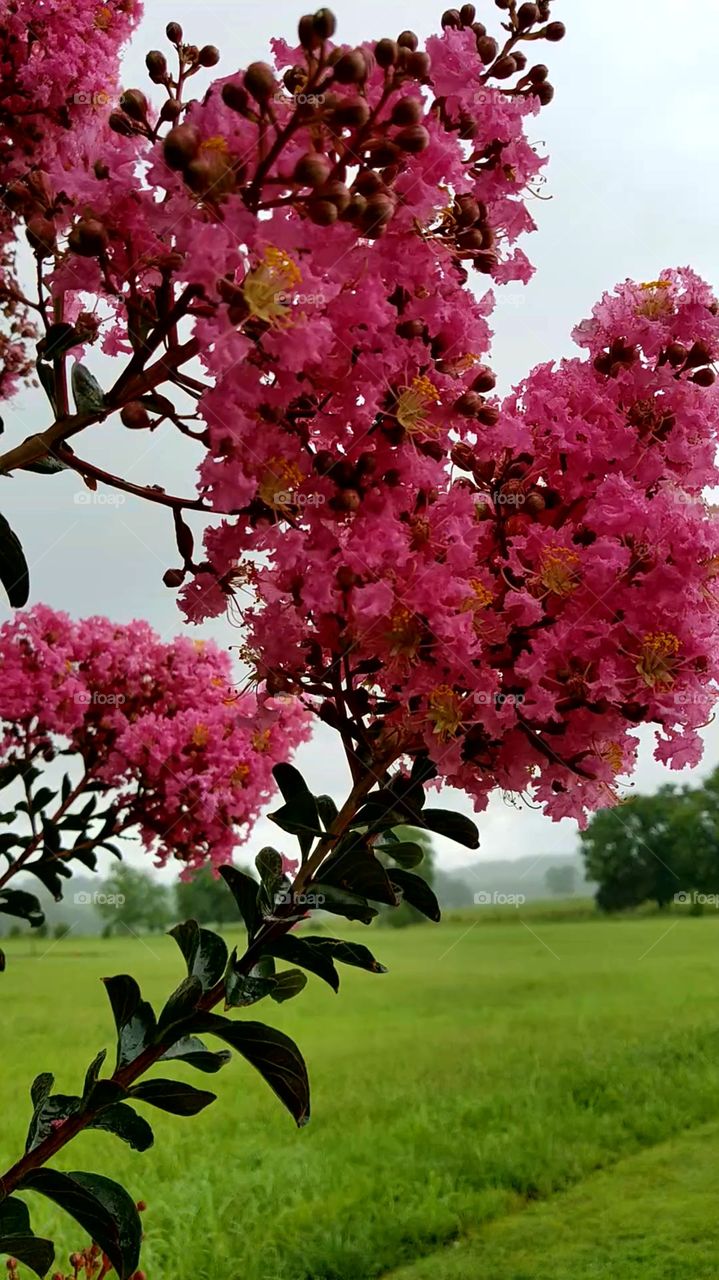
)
(633, 185)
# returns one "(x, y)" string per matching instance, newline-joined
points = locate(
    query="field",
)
(534, 1101)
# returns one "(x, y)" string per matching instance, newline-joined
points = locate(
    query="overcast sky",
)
(632, 187)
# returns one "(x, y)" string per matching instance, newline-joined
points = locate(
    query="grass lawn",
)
(495, 1066)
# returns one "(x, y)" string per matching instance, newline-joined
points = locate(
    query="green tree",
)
(205, 898)
(561, 881)
(634, 852)
(132, 899)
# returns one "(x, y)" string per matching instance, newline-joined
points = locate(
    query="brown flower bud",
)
(209, 55)
(527, 15)
(468, 13)
(323, 462)
(535, 503)
(488, 415)
(700, 354)
(414, 139)
(368, 182)
(171, 109)
(381, 151)
(407, 111)
(408, 40)
(235, 97)
(505, 68)
(351, 113)
(520, 59)
(312, 169)
(173, 577)
(336, 191)
(88, 237)
(135, 415)
(704, 377)
(100, 170)
(419, 66)
(349, 500)
(451, 18)
(487, 48)
(545, 92)
(351, 68)
(471, 241)
(306, 33)
(173, 31)
(503, 4)
(324, 23)
(181, 146)
(41, 235)
(156, 64)
(484, 379)
(379, 212)
(479, 29)
(463, 457)
(469, 404)
(120, 123)
(676, 354)
(385, 51)
(323, 212)
(134, 103)
(555, 31)
(356, 207)
(539, 74)
(260, 81)
(466, 210)
(410, 329)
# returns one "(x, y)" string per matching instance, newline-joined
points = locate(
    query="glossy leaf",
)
(244, 890)
(102, 1207)
(175, 1096)
(126, 1125)
(417, 893)
(272, 1053)
(455, 826)
(134, 1018)
(14, 573)
(195, 1053)
(205, 952)
(299, 951)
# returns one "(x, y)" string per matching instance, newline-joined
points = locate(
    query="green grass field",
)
(534, 1102)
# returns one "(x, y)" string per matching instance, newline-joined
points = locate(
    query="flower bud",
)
(173, 577)
(156, 64)
(484, 379)
(469, 404)
(414, 139)
(676, 354)
(545, 92)
(468, 13)
(407, 111)
(135, 415)
(348, 500)
(381, 152)
(463, 456)
(312, 169)
(41, 235)
(322, 212)
(479, 29)
(181, 146)
(385, 51)
(520, 59)
(235, 97)
(337, 192)
(324, 24)
(351, 113)
(88, 237)
(209, 56)
(260, 81)
(527, 15)
(704, 377)
(505, 68)
(410, 329)
(539, 74)
(351, 68)
(555, 31)
(488, 415)
(170, 109)
(306, 33)
(419, 66)
(487, 48)
(173, 31)
(134, 103)
(451, 18)
(408, 40)
(120, 123)
(379, 212)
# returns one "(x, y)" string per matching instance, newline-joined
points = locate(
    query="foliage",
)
(204, 898)
(561, 881)
(132, 899)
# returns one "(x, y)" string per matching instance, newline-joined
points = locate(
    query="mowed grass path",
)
(493, 1066)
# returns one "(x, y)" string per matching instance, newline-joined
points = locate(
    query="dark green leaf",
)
(14, 1217)
(417, 893)
(126, 1125)
(175, 1096)
(51, 874)
(134, 1018)
(273, 1054)
(353, 953)
(341, 903)
(102, 1207)
(244, 890)
(33, 1251)
(41, 1087)
(192, 1051)
(181, 1003)
(327, 810)
(288, 984)
(405, 852)
(16, 902)
(243, 989)
(299, 951)
(48, 1114)
(298, 815)
(455, 826)
(13, 566)
(205, 952)
(93, 1072)
(355, 867)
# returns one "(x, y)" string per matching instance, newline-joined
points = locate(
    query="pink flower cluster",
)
(158, 726)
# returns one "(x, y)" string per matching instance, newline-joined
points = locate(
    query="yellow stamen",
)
(412, 405)
(657, 661)
(445, 711)
(239, 775)
(264, 289)
(403, 634)
(279, 484)
(200, 735)
(558, 570)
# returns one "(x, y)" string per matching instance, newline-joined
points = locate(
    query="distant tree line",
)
(658, 848)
